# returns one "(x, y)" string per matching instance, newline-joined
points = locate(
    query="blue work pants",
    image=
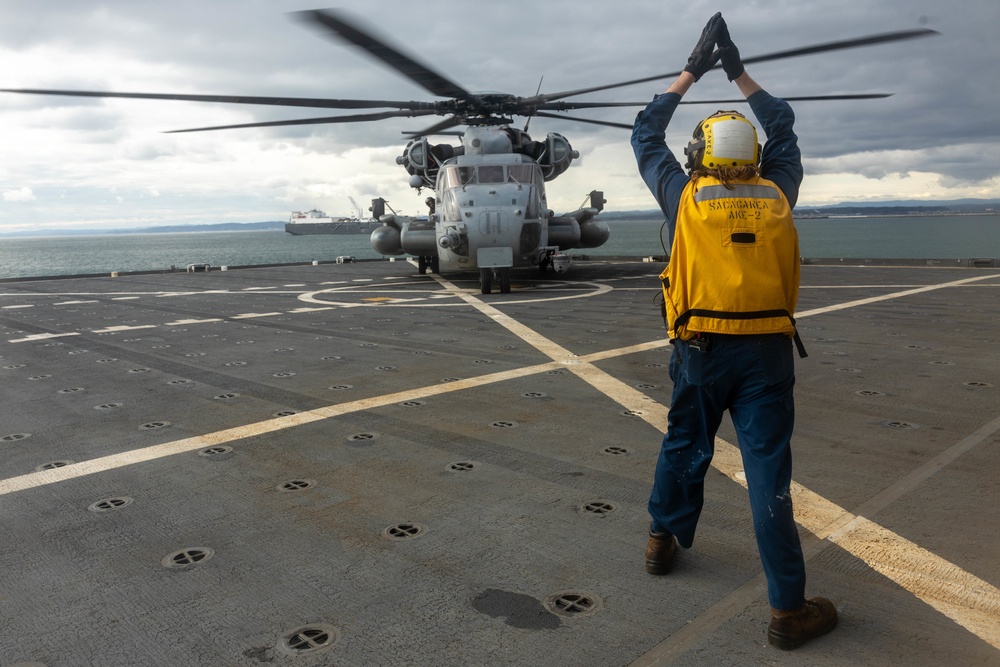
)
(752, 377)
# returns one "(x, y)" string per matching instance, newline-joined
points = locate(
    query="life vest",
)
(734, 262)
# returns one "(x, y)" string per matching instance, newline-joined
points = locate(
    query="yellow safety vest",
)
(734, 262)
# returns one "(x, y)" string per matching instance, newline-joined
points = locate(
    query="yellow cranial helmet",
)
(724, 139)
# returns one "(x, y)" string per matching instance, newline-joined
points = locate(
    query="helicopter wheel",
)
(485, 280)
(504, 280)
(544, 264)
(436, 265)
(422, 264)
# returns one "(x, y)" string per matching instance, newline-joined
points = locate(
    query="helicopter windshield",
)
(520, 173)
(455, 177)
(492, 173)
(452, 211)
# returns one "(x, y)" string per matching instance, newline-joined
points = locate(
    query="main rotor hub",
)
(487, 109)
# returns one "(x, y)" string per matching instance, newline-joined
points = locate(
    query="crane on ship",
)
(361, 213)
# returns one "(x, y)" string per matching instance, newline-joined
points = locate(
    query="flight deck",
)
(357, 464)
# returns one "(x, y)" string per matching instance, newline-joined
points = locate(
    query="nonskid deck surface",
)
(359, 465)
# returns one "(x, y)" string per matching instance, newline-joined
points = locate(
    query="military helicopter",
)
(489, 211)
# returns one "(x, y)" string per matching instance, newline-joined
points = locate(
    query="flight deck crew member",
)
(730, 289)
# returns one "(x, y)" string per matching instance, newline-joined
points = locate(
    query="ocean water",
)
(950, 237)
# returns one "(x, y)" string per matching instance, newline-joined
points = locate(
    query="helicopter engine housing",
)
(421, 159)
(556, 155)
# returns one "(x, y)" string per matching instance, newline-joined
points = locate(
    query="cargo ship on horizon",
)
(315, 221)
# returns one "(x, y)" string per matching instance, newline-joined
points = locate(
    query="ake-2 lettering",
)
(730, 204)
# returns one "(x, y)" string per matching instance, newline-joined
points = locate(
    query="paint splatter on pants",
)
(751, 377)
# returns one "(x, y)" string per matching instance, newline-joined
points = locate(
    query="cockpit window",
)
(452, 211)
(456, 177)
(491, 174)
(520, 173)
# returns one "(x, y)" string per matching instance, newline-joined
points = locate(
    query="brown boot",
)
(792, 629)
(660, 552)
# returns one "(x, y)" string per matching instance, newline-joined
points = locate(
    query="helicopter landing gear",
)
(432, 263)
(502, 276)
(504, 280)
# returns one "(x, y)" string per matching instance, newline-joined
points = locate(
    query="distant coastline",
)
(892, 209)
(839, 212)
(268, 226)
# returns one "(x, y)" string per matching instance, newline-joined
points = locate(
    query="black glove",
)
(728, 52)
(704, 57)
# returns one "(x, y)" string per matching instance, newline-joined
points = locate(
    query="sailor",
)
(730, 291)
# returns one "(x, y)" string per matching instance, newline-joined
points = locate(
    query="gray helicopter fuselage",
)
(489, 212)
(489, 208)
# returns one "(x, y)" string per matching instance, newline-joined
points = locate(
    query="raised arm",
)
(781, 160)
(657, 164)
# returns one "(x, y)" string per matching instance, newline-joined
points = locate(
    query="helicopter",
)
(489, 211)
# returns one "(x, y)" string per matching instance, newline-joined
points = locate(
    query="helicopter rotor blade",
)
(800, 98)
(339, 25)
(777, 55)
(843, 44)
(357, 118)
(544, 114)
(445, 124)
(570, 106)
(317, 102)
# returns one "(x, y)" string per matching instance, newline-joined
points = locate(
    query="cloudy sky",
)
(77, 162)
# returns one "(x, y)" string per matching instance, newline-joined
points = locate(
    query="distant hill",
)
(901, 208)
(269, 226)
(218, 227)
(958, 204)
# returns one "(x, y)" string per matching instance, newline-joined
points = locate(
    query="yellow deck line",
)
(966, 599)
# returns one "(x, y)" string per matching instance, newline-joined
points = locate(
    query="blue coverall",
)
(750, 375)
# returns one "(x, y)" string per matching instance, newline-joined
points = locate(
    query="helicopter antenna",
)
(537, 92)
